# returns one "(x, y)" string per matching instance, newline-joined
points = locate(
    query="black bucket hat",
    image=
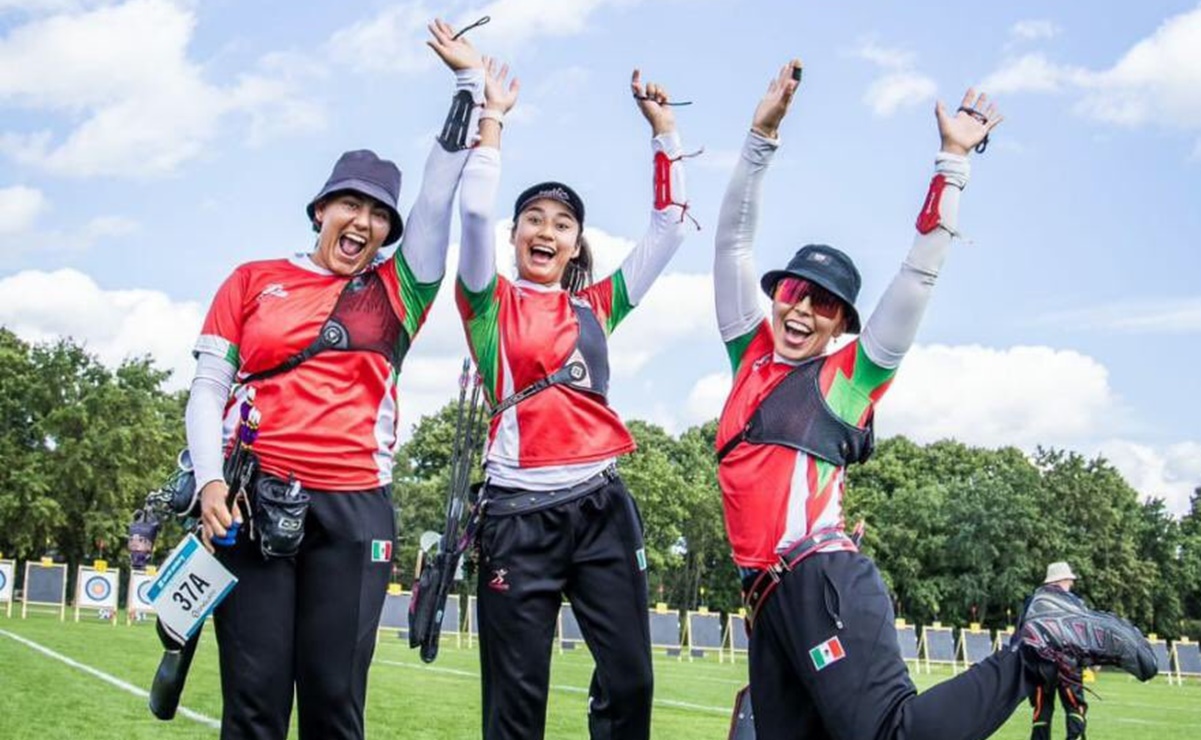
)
(555, 191)
(829, 268)
(363, 172)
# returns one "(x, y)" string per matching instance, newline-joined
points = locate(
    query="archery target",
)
(6, 581)
(97, 590)
(138, 599)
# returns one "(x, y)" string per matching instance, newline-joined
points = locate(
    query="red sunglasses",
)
(793, 290)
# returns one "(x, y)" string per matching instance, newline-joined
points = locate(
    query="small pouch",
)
(279, 510)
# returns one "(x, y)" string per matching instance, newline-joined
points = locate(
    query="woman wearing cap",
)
(316, 342)
(558, 520)
(824, 657)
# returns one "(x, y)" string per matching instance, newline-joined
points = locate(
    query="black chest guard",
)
(586, 368)
(362, 320)
(795, 415)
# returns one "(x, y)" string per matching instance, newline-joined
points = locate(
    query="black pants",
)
(306, 624)
(591, 550)
(832, 605)
(1074, 704)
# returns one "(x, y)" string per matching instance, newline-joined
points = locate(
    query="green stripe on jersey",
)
(416, 297)
(736, 347)
(483, 333)
(621, 305)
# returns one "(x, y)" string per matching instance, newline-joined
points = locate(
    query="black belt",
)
(500, 501)
(757, 585)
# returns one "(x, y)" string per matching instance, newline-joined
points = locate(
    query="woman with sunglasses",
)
(824, 657)
(557, 518)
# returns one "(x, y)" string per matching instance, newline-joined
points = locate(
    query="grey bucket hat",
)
(829, 268)
(363, 172)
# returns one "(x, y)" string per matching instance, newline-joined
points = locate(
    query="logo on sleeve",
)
(274, 290)
(827, 653)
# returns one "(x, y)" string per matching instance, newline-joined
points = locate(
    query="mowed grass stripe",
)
(553, 687)
(42, 698)
(113, 680)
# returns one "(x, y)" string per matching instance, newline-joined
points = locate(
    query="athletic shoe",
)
(1064, 631)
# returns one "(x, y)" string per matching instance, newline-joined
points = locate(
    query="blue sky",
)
(148, 146)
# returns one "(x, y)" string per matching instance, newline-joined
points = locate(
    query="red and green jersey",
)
(521, 332)
(331, 421)
(774, 495)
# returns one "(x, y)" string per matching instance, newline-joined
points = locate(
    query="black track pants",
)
(307, 624)
(1074, 706)
(835, 604)
(591, 550)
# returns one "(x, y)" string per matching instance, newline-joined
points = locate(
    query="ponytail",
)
(578, 273)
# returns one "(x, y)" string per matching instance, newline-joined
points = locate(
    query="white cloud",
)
(1169, 316)
(707, 397)
(1033, 30)
(1170, 473)
(400, 28)
(1157, 81)
(1033, 73)
(1022, 396)
(901, 86)
(113, 324)
(138, 108)
(392, 41)
(20, 208)
(892, 92)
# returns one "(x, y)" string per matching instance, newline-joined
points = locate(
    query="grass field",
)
(43, 697)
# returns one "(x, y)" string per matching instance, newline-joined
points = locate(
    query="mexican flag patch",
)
(381, 551)
(826, 653)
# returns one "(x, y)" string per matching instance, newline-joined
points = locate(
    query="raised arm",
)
(735, 282)
(889, 332)
(667, 226)
(427, 232)
(481, 178)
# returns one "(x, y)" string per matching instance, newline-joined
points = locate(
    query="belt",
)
(758, 584)
(513, 501)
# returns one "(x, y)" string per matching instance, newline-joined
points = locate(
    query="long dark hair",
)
(578, 273)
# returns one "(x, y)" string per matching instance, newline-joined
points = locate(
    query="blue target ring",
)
(144, 592)
(3, 580)
(98, 588)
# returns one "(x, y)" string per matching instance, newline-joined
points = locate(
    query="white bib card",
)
(190, 585)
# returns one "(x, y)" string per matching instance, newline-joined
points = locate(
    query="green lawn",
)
(41, 697)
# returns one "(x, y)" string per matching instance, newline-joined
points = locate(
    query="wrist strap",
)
(492, 114)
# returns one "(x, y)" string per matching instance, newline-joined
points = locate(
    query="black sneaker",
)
(1065, 632)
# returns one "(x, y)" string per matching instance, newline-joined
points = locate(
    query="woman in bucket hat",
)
(824, 657)
(557, 518)
(314, 343)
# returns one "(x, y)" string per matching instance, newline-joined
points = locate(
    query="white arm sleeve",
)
(477, 252)
(735, 283)
(427, 230)
(204, 416)
(666, 230)
(889, 333)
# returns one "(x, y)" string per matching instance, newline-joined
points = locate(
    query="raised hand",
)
(969, 126)
(497, 95)
(652, 101)
(457, 53)
(771, 109)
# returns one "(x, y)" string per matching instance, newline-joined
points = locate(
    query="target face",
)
(144, 592)
(3, 581)
(97, 588)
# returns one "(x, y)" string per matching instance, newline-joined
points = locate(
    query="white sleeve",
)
(205, 414)
(889, 332)
(427, 230)
(477, 252)
(735, 282)
(666, 230)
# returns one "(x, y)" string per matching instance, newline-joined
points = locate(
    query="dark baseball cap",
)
(554, 191)
(362, 171)
(827, 267)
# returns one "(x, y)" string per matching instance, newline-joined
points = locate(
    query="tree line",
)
(961, 534)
